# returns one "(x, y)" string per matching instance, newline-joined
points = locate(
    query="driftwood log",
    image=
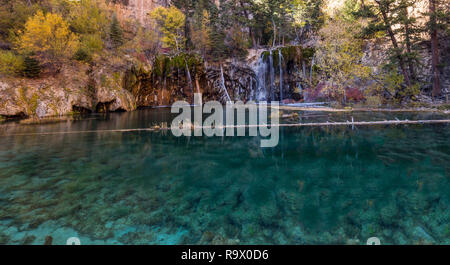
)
(163, 128)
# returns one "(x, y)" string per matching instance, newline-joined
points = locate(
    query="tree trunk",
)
(252, 35)
(250, 30)
(399, 56)
(274, 33)
(187, 29)
(412, 71)
(434, 50)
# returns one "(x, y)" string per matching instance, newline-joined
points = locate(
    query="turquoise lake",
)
(320, 185)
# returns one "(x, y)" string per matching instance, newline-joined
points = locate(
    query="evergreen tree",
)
(116, 34)
(383, 15)
(437, 26)
(434, 49)
(218, 49)
(32, 69)
(408, 30)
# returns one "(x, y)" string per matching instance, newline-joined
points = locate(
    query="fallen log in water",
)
(320, 124)
(350, 123)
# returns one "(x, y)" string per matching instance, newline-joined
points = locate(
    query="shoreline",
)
(69, 117)
(362, 109)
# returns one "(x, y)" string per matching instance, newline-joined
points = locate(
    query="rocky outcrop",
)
(375, 54)
(77, 88)
(135, 9)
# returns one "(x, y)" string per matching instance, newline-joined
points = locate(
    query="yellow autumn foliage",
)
(48, 35)
(339, 56)
(10, 63)
(171, 22)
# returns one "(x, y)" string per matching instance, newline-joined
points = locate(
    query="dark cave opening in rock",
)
(80, 110)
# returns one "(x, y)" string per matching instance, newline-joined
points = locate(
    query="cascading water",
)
(272, 76)
(265, 72)
(223, 84)
(312, 66)
(189, 78)
(294, 71)
(260, 70)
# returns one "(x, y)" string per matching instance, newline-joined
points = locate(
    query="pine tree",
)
(439, 21)
(32, 69)
(219, 50)
(407, 23)
(383, 16)
(116, 34)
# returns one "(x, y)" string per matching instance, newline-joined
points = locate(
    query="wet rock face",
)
(254, 78)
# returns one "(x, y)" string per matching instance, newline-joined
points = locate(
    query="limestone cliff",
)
(135, 9)
(77, 88)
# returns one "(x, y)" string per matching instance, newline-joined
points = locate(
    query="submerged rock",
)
(268, 214)
(220, 240)
(48, 240)
(353, 241)
(388, 214)
(399, 238)
(298, 235)
(28, 240)
(420, 234)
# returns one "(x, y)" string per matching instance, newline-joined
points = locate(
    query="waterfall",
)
(312, 65)
(280, 61)
(272, 76)
(265, 87)
(304, 69)
(251, 96)
(189, 78)
(300, 88)
(260, 70)
(223, 84)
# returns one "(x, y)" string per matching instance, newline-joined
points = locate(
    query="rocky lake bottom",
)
(320, 185)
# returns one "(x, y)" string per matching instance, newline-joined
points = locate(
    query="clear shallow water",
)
(329, 185)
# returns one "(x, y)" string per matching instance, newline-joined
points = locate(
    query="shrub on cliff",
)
(90, 44)
(89, 17)
(83, 55)
(339, 56)
(48, 36)
(13, 15)
(10, 63)
(32, 68)
(116, 34)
